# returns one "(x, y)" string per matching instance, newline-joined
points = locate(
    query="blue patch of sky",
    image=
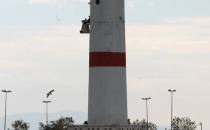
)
(21, 13)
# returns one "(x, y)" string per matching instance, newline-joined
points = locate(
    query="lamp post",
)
(172, 93)
(5, 111)
(147, 115)
(201, 125)
(46, 103)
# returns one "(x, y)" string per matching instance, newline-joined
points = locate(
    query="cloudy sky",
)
(168, 46)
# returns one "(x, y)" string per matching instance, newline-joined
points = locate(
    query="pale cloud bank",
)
(184, 35)
(46, 1)
(54, 2)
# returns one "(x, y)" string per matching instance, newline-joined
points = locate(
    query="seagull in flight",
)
(50, 93)
(58, 18)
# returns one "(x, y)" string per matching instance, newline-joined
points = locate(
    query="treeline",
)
(63, 123)
(178, 123)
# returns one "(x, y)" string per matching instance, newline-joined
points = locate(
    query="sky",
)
(168, 46)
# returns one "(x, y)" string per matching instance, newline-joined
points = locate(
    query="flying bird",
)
(50, 93)
(58, 18)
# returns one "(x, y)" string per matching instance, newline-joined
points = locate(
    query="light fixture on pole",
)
(46, 103)
(5, 112)
(172, 93)
(147, 115)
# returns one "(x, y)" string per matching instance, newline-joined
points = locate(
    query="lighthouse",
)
(107, 95)
(107, 103)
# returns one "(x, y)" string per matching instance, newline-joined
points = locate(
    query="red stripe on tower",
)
(107, 59)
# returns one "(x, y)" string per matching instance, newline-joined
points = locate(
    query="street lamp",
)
(46, 102)
(146, 99)
(201, 125)
(172, 93)
(5, 114)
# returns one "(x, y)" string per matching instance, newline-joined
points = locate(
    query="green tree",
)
(20, 125)
(143, 124)
(60, 124)
(184, 123)
(42, 126)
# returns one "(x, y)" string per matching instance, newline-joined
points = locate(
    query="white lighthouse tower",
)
(107, 101)
(107, 73)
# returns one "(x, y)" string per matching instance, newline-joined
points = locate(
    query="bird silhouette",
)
(50, 93)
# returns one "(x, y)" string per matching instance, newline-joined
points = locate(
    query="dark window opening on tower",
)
(97, 2)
